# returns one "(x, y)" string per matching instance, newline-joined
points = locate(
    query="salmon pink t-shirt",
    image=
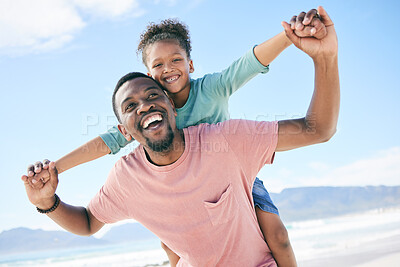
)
(200, 206)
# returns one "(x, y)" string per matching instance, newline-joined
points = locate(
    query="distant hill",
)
(304, 203)
(294, 204)
(127, 233)
(24, 239)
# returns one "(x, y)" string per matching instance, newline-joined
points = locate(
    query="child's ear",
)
(191, 67)
(122, 129)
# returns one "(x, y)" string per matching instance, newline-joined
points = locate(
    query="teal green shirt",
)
(208, 98)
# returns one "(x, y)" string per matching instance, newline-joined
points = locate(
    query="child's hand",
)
(308, 25)
(39, 173)
(315, 48)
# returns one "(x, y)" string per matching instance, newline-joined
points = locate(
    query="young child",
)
(165, 49)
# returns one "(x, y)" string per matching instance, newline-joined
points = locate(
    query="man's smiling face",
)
(146, 113)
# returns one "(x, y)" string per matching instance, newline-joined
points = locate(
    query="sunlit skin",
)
(168, 63)
(139, 101)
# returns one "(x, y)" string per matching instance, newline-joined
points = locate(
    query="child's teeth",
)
(172, 79)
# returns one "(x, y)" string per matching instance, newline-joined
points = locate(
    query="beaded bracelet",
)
(52, 208)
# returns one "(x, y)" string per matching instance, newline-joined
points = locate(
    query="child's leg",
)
(173, 258)
(272, 227)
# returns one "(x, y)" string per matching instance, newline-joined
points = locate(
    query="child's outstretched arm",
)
(109, 142)
(305, 25)
(94, 149)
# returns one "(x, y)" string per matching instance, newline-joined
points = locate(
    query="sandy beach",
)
(370, 239)
(384, 252)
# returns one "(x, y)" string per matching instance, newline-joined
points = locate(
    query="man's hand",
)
(308, 25)
(39, 173)
(40, 192)
(328, 46)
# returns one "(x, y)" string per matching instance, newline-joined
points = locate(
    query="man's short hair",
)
(128, 77)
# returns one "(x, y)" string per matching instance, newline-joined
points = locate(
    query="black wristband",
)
(52, 208)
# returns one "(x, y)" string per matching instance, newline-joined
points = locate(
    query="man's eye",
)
(128, 107)
(157, 65)
(153, 95)
(177, 59)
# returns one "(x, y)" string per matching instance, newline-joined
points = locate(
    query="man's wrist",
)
(325, 59)
(48, 203)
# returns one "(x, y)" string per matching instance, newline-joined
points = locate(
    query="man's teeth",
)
(151, 119)
(171, 79)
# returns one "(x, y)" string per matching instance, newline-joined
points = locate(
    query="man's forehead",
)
(136, 87)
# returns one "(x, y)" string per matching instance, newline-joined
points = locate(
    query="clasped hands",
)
(311, 32)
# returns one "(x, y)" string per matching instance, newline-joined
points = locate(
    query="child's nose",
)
(167, 67)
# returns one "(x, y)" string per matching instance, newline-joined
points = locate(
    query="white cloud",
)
(168, 2)
(381, 169)
(110, 9)
(39, 24)
(28, 26)
(319, 166)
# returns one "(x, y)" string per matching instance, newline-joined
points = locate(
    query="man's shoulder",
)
(236, 129)
(127, 160)
(227, 127)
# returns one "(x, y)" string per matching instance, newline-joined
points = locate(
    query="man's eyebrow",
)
(145, 90)
(152, 87)
(126, 100)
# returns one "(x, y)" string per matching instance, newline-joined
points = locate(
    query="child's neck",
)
(181, 97)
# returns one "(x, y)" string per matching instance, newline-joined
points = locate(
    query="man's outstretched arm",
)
(319, 124)
(267, 51)
(77, 220)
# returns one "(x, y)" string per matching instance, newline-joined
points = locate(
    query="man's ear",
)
(149, 74)
(191, 67)
(122, 129)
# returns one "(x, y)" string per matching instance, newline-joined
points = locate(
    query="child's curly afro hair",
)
(168, 29)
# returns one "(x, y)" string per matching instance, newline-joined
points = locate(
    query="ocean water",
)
(314, 238)
(310, 239)
(138, 253)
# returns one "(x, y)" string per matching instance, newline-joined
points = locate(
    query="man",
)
(192, 187)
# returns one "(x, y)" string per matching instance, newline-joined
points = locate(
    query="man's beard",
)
(164, 145)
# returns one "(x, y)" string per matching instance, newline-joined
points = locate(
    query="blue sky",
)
(60, 60)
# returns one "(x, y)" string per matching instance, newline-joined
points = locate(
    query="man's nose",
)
(144, 107)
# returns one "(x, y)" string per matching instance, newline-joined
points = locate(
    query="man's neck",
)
(168, 157)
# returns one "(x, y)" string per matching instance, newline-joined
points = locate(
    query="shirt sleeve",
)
(253, 142)
(114, 139)
(225, 83)
(108, 205)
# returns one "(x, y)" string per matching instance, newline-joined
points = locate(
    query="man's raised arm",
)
(77, 220)
(319, 124)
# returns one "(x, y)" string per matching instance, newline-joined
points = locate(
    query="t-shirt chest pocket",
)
(224, 209)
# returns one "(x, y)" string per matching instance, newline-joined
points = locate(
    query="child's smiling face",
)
(168, 63)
